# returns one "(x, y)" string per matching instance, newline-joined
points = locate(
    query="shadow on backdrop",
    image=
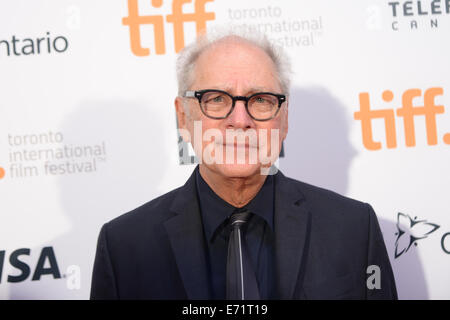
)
(317, 147)
(127, 176)
(318, 151)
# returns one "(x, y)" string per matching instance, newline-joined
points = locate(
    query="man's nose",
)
(239, 118)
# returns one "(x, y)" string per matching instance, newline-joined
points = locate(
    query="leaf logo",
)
(410, 231)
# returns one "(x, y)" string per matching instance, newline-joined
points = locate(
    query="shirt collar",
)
(215, 210)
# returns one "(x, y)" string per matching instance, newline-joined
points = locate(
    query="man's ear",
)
(285, 119)
(182, 119)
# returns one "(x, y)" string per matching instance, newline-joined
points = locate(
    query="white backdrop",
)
(88, 130)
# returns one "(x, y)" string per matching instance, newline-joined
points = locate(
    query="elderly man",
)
(235, 231)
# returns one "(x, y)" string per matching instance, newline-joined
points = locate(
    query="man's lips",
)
(240, 145)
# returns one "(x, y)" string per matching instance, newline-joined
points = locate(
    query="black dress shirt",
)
(259, 236)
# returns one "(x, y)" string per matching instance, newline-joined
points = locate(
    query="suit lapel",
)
(292, 227)
(185, 233)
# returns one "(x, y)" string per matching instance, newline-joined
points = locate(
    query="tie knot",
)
(239, 218)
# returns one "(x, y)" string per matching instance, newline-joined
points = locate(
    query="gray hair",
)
(188, 56)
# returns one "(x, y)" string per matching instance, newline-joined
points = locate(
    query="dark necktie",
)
(241, 279)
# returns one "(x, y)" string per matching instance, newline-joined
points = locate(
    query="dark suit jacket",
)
(324, 243)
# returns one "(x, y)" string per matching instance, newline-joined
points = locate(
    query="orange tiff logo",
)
(408, 111)
(177, 18)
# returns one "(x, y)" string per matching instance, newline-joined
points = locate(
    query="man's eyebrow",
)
(248, 92)
(257, 89)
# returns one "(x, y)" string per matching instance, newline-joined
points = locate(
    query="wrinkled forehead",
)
(234, 60)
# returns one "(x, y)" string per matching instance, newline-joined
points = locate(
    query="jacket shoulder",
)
(330, 205)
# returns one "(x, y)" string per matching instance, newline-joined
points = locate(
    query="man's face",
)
(240, 69)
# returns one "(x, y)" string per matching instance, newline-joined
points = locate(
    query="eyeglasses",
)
(218, 104)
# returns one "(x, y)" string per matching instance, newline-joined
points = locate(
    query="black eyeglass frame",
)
(199, 94)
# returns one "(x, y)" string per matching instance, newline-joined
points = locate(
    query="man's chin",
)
(238, 170)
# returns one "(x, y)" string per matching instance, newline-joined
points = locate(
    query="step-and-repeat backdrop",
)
(88, 128)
